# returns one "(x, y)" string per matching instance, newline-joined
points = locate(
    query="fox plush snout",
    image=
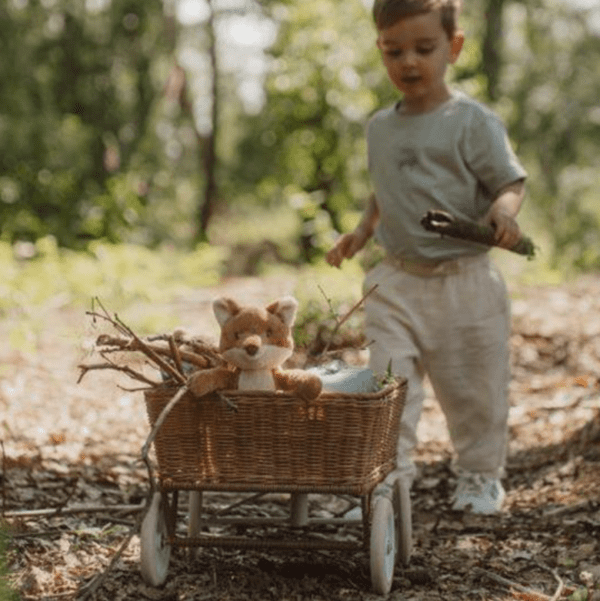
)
(252, 345)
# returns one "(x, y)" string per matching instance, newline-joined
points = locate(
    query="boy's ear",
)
(456, 45)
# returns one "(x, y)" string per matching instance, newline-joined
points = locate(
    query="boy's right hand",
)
(346, 247)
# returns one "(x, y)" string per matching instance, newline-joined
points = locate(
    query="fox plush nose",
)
(252, 345)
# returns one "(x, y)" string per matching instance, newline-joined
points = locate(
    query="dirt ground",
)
(69, 445)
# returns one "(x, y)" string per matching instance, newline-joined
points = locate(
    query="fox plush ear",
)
(225, 309)
(285, 308)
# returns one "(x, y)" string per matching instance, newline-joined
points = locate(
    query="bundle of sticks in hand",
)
(174, 355)
(441, 222)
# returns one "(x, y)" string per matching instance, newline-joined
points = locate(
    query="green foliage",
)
(117, 274)
(550, 92)
(580, 594)
(74, 113)
(7, 593)
(307, 147)
(326, 295)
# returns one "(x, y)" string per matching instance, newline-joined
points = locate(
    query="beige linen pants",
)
(453, 324)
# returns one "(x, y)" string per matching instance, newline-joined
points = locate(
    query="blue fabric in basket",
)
(338, 376)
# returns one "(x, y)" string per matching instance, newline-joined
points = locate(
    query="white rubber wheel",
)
(155, 549)
(402, 509)
(382, 548)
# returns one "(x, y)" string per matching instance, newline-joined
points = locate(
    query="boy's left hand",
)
(507, 230)
(502, 213)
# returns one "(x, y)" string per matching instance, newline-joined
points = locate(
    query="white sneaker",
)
(481, 494)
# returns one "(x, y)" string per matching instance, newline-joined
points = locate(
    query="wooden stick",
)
(157, 426)
(155, 357)
(176, 355)
(109, 365)
(143, 347)
(105, 315)
(355, 307)
(511, 584)
(90, 589)
(3, 476)
(45, 513)
(446, 224)
(340, 322)
(128, 344)
(559, 580)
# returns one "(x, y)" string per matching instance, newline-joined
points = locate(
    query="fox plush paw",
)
(205, 381)
(301, 383)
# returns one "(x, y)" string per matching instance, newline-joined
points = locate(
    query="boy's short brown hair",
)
(387, 12)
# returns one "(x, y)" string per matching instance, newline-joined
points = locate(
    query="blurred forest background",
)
(201, 125)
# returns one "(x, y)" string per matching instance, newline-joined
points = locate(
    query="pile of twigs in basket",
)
(172, 355)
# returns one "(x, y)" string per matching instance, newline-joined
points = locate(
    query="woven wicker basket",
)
(273, 441)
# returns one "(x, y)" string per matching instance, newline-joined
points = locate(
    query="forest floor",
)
(71, 445)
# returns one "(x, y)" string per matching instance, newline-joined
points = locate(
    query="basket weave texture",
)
(272, 441)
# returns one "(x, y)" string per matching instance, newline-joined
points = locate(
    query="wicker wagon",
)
(272, 442)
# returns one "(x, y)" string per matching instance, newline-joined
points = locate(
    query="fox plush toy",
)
(255, 342)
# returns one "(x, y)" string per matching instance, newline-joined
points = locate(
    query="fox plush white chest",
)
(255, 342)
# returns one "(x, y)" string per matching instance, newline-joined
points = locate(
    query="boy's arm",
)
(348, 245)
(502, 214)
(364, 230)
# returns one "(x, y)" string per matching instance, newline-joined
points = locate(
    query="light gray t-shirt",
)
(455, 158)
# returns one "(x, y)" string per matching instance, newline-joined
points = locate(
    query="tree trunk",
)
(492, 47)
(209, 157)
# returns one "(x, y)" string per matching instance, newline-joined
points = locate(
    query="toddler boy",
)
(440, 308)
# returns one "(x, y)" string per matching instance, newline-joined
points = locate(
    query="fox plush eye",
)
(269, 332)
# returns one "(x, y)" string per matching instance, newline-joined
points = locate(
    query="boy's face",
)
(416, 51)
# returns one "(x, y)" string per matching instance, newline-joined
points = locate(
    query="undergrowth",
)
(7, 593)
(325, 296)
(42, 273)
(40, 278)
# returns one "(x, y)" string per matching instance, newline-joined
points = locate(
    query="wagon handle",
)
(157, 426)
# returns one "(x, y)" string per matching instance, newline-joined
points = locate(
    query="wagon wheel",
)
(382, 547)
(402, 510)
(155, 549)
